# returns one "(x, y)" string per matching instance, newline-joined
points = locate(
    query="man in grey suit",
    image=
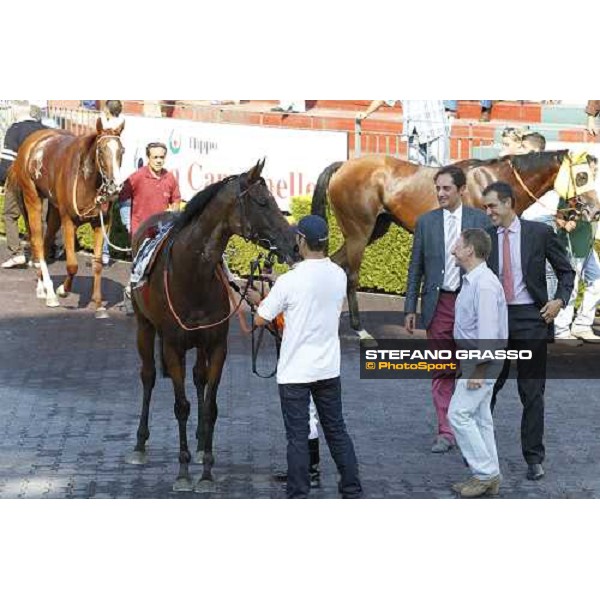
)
(432, 264)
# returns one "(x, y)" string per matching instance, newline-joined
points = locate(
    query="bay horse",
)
(186, 301)
(80, 176)
(367, 194)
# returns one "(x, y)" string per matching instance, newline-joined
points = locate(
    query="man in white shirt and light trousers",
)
(481, 323)
(310, 296)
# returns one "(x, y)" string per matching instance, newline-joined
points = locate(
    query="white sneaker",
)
(586, 334)
(14, 261)
(568, 339)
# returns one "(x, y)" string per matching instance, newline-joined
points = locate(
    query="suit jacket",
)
(538, 244)
(428, 260)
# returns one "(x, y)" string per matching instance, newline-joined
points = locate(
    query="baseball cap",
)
(313, 228)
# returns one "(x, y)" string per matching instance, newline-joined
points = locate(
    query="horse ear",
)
(119, 129)
(99, 127)
(255, 171)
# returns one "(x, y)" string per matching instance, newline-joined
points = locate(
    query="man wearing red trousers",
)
(433, 266)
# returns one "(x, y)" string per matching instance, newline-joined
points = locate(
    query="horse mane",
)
(195, 207)
(534, 161)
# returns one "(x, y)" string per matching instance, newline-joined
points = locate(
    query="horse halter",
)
(107, 187)
(243, 217)
(577, 206)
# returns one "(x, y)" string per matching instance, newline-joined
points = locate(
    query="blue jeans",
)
(327, 395)
(125, 213)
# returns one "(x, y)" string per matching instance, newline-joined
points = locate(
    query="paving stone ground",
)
(70, 398)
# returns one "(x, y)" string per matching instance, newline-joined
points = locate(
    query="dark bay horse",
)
(366, 194)
(79, 175)
(186, 301)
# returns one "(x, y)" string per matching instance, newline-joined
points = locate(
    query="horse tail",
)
(382, 224)
(319, 199)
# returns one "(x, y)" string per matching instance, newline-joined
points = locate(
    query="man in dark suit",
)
(432, 264)
(519, 252)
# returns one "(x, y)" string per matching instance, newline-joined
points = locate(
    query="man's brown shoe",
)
(457, 487)
(475, 488)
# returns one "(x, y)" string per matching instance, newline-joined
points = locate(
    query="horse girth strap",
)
(522, 183)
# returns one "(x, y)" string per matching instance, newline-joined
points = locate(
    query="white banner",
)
(202, 153)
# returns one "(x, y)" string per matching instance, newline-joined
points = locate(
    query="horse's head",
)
(575, 182)
(257, 217)
(109, 157)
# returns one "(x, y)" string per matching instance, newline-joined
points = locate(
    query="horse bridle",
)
(101, 196)
(103, 190)
(576, 204)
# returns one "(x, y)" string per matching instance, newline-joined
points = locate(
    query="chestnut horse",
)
(366, 194)
(186, 301)
(79, 175)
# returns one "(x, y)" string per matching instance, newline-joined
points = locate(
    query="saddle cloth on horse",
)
(146, 255)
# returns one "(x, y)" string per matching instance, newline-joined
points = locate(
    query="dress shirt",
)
(452, 271)
(522, 296)
(481, 314)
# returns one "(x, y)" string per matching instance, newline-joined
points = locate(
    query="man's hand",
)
(477, 378)
(474, 384)
(362, 115)
(570, 226)
(410, 321)
(550, 310)
(253, 297)
(591, 125)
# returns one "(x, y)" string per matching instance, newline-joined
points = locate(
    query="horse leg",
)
(52, 227)
(45, 287)
(69, 239)
(216, 360)
(200, 374)
(354, 253)
(101, 312)
(175, 365)
(145, 343)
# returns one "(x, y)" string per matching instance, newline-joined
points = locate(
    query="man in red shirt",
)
(151, 189)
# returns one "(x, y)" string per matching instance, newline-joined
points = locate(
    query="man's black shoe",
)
(535, 472)
(315, 478)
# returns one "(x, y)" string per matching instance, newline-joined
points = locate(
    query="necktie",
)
(507, 274)
(452, 271)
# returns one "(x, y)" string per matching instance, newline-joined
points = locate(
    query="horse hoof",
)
(101, 313)
(137, 458)
(205, 486)
(199, 457)
(61, 291)
(183, 484)
(52, 302)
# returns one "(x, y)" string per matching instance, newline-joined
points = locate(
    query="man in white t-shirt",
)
(310, 296)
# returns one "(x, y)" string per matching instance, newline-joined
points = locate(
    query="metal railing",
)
(469, 145)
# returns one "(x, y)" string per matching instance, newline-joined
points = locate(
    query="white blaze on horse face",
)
(114, 146)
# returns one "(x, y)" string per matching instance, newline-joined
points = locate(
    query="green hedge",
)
(384, 267)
